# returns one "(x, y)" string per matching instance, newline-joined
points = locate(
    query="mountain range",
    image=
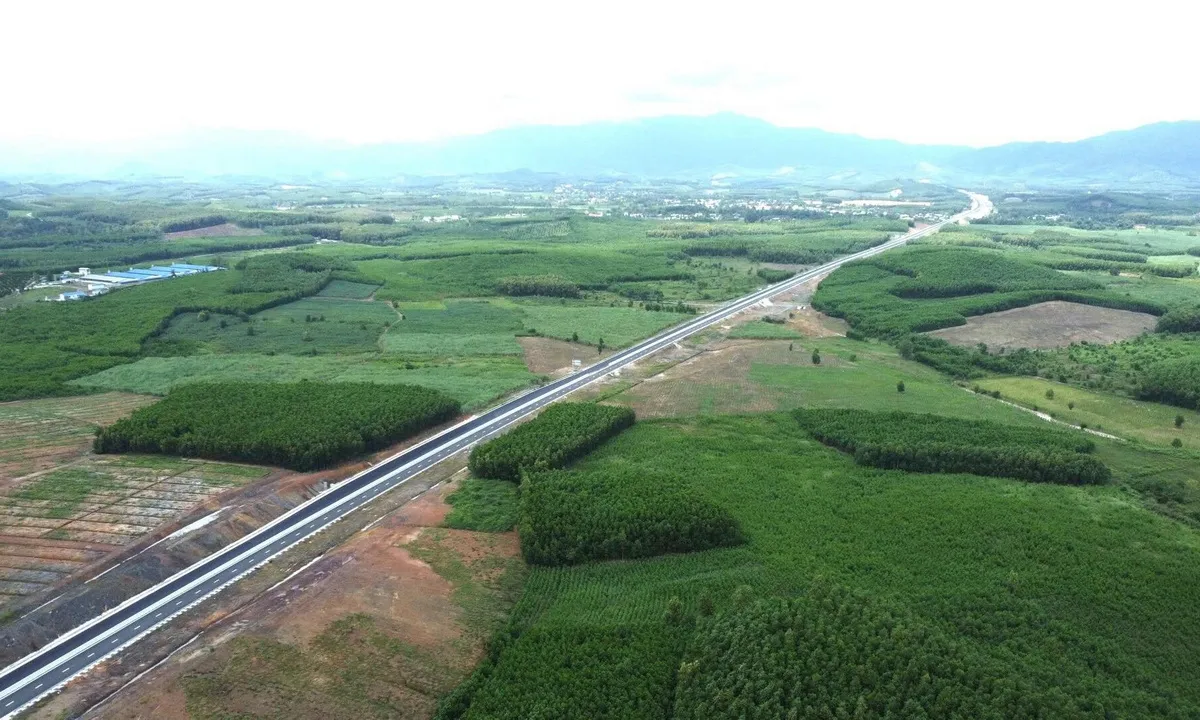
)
(685, 147)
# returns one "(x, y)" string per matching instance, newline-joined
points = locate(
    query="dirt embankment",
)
(399, 610)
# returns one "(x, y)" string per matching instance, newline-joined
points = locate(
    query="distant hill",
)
(1148, 154)
(665, 147)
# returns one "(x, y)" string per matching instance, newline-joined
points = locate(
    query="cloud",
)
(921, 71)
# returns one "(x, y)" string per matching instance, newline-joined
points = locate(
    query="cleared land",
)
(1048, 325)
(54, 523)
(37, 435)
(380, 627)
(222, 230)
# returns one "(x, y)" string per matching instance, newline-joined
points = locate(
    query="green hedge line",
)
(561, 434)
(932, 443)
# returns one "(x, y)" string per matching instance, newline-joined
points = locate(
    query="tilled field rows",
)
(54, 523)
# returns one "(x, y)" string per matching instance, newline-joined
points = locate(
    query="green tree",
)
(1178, 421)
(816, 357)
(900, 386)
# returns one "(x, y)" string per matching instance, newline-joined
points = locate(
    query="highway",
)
(76, 651)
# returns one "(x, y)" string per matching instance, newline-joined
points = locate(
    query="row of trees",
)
(194, 223)
(543, 285)
(772, 275)
(570, 517)
(932, 443)
(561, 434)
(302, 426)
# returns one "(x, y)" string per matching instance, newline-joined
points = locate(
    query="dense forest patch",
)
(571, 517)
(828, 653)
(1176, 382)
(932, 443)
(303, 426)
(561, 434)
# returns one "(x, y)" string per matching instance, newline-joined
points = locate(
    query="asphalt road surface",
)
(75, 652)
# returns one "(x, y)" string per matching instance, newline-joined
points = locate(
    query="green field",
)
(1133, 419)
(471, 383)
(309, 326)
(616, 326)
(348, 289)
(1078, 589)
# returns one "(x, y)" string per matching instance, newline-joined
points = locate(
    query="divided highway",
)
(73, 653)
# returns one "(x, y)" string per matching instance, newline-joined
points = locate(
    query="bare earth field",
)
(1048, 325)
(405, 604)
(223, 230)
(62, 508)
(547, 356)
(37, 435)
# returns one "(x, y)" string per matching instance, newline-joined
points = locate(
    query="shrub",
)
(932, 443)
(1177, 443)
(303, 426)
(1178, 421)
(900, 386)
(561, 434)
(572, 517)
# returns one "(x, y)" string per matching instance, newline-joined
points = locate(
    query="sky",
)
(118, 73)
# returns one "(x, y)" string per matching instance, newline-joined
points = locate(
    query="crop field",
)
(54, 523)
(1067, 599)
(36, 435)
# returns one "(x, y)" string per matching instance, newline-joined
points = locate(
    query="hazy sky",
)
(924, 71)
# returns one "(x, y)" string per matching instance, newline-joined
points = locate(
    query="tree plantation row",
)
(302, 426)
(932, 443)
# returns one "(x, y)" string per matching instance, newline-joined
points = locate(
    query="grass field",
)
(471, 383)
(1133, 419)
(617, 326)
(763, 331)
(1077, 589)
(348, 289)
